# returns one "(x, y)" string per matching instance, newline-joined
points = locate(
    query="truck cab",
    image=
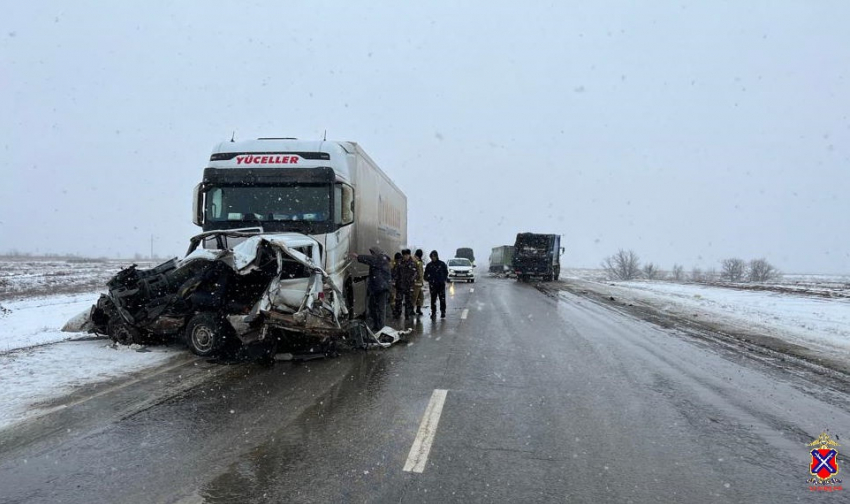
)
(331, 191)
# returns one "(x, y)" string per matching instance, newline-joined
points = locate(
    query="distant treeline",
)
(626, 265)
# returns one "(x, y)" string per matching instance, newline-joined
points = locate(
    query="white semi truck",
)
(330, 191)
(280, 220)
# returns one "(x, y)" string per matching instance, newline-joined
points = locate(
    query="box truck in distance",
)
(501, 259)
(537, 255)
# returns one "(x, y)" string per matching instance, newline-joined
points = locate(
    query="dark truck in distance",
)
(537, 255)
(501, 259)
(466, 253)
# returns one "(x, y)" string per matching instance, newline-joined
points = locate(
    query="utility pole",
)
(151, 247)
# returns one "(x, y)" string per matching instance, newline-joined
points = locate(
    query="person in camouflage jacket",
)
(405, 279)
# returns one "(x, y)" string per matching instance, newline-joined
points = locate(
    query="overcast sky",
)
(689, 132)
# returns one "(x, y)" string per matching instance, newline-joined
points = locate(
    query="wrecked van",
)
(240, 288)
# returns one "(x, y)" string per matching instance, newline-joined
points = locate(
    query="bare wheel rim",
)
(123, 335)
(202, 338)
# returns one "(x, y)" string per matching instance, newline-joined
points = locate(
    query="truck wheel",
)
(205, 334)
(557, 273)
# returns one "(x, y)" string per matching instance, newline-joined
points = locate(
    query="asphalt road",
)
(539, 398)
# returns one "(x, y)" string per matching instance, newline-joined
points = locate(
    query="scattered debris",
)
(362, 336)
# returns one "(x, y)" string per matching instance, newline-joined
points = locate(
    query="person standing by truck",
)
(396, 260)
(378, 286)
(436, 274)
(420, 281)
(405, 278)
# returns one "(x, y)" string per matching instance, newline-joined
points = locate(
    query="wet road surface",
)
(547, 398)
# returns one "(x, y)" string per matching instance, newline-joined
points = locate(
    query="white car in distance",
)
(460, 269)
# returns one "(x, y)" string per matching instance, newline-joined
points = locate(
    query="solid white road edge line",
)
(464, 313)
(418, 455)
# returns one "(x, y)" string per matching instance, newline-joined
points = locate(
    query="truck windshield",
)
(310, 203)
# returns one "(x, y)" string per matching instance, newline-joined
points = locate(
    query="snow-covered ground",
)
(26, 277)
(38, 362)
(808, 318)
(37, 321)
(32, 378)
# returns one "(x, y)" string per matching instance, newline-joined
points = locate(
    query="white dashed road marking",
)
(418, 455)
(464, 313)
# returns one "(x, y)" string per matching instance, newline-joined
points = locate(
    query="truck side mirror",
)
(347, 204)
(562, 250)
(197, 206)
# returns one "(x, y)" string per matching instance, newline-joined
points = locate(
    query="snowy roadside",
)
(819, 324)
(39, 363)
(37, 321)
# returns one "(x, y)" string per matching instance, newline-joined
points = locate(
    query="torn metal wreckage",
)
(267, 290)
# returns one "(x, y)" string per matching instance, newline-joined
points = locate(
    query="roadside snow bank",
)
(37, 321)
(32, 377)
(814, 322)
(39, 363)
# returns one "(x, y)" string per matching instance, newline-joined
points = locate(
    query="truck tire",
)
(557, 273)
(205, 334)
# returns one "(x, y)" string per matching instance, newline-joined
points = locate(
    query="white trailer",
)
(328, 190)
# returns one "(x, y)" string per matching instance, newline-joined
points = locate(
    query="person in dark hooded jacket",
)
(378, 287)
(436, 273)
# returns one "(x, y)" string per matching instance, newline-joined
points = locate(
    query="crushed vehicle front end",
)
(265, 288)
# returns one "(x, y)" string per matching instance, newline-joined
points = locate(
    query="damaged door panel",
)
(263, 289)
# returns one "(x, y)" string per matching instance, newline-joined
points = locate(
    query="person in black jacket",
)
(436, 274)
(378, 287)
